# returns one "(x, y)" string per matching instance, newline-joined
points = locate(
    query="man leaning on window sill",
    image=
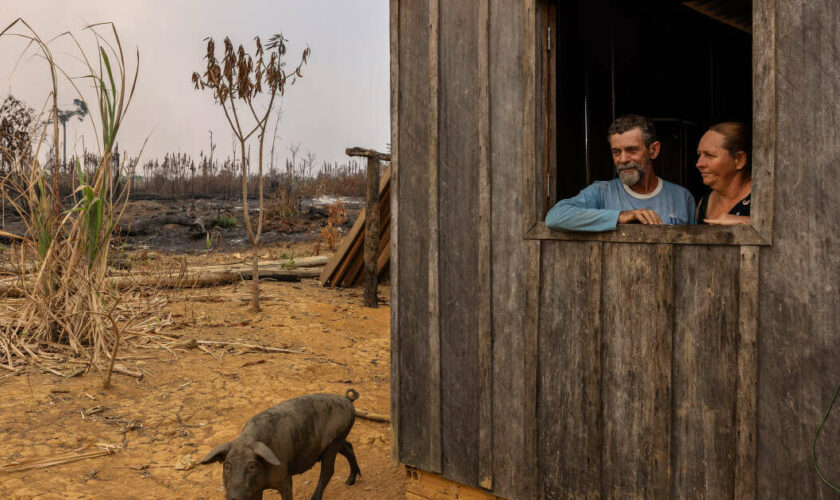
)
(636, 195)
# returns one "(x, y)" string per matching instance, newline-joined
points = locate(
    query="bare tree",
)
(17, 121)
(236, 83)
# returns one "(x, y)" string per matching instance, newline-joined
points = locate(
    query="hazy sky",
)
(343, 99)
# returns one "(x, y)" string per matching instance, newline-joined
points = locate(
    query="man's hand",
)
(641, 215)
(728, 220)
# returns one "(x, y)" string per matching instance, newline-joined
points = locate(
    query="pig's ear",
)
(263, 451)
(217, 455)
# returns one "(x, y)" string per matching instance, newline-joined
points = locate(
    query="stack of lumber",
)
(346, 267)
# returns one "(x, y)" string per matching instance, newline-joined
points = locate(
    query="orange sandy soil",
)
(190, 401)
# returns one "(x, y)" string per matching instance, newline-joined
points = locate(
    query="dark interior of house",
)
(686, 67)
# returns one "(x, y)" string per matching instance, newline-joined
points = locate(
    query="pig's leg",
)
(327, 467)
(347, 450)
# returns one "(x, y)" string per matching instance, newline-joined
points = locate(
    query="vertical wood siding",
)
(616, 369)
(704, 371)
(637, 307)
(394, 19)
(459, 160)
(569, 402)
(799, 306)
(509, 257)
(413, 178)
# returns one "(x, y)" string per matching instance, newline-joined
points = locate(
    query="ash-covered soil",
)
(190, 400)
(304, 226)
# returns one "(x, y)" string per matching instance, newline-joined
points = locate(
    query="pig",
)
(288, 439)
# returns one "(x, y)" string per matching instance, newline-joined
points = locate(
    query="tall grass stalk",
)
(67, 306)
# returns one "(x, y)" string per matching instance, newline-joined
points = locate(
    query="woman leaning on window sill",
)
(724, 163)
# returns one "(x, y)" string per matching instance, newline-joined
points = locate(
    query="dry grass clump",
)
(62, 264)
(331, 233)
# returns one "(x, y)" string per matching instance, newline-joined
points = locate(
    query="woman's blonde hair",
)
(737, 137)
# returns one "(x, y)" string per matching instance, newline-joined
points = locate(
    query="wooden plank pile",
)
(347, 265)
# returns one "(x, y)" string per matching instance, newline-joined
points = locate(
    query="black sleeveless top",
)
(740, 208)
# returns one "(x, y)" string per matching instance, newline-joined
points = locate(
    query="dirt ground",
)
(190, 400)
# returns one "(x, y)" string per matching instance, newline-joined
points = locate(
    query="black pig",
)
(288, 439)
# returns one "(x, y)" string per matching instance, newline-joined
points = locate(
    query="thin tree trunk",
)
(255, 279)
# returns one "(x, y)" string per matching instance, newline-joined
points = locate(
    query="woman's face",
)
(716, 165)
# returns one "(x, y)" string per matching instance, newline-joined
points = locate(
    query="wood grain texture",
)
(509, 252)
(569, 398)
(527, 486)
(637, 308)
(413, 346)
(435, 410)
(764, 115)
(458, 183)
(393, 240)
(705, 371)
(638, 233)
(531, 194)
(747, 386)
(485, 288)
(372, 232)
(798, 290)
(546, 108)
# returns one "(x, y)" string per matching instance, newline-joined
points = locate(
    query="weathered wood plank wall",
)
(509, 257)
(414, 390)
(570, 371)
(618, 369)
(637, 306)
(799, 312)
(458, 194)
(705, 371)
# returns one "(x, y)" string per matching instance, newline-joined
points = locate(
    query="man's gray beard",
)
(631, 173)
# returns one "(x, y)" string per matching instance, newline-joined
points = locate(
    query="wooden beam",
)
(367, 153)
(485, 282)
(530, 362)
(638, 233)
(395, 304)
(530, 198)
(747, 383)
(435, 438)
(371, 232)
(345, 248)
(765, 116)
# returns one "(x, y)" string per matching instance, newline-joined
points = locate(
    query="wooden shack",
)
(655, 362)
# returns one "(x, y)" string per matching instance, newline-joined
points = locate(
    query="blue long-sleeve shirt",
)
(596, 208)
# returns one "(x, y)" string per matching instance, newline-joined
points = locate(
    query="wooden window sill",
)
(677, 235)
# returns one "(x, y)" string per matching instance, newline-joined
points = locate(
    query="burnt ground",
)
(303, 227)
(190, 400)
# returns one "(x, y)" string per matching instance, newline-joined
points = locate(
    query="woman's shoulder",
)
(743, 206)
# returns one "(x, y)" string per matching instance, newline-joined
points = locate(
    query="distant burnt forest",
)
(179, 175)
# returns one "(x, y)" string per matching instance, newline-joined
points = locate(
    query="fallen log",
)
(211, 278)
(314, 261)
(375, 417)
(189, 279)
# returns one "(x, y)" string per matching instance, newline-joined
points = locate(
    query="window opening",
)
(662, 59)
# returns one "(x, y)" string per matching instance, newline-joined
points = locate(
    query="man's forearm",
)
(568, 217)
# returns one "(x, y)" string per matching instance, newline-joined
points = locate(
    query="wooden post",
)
(371, 231)
(371, 220)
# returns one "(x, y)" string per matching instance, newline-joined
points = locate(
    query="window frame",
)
(539, 151)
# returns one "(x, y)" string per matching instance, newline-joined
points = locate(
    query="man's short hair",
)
(627, 123)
